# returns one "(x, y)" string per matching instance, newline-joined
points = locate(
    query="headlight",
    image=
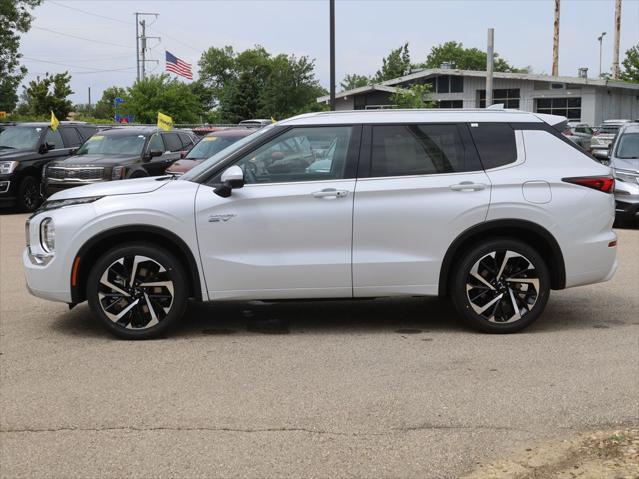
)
(117, 173)
(52, 204)
(47, 235)
(626, 176)
(7, 167)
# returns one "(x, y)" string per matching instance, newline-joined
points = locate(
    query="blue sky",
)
(366, 30)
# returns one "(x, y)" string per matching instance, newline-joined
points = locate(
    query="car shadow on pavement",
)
(385, 315)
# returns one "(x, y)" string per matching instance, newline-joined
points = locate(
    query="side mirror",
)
(73, 151)
(232, 178)
(153, 153)
(45, 147)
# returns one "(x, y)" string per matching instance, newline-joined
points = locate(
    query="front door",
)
(425, 186)
(288, 232)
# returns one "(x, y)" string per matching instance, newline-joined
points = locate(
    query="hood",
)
(11, 155)
(109, 188)
(184, 165)
(101, 160)
(631, 164)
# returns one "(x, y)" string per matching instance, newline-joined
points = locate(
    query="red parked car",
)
(207, 147)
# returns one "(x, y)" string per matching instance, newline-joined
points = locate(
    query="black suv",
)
(25, 149)
(117, 154)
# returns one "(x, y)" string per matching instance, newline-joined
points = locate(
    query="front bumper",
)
(600, 153)
(45, 280)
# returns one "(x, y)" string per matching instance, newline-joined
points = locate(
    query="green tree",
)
(253, 83)
(161, 93)
(465, 58)
(416, 96)
(353, 81)
(631, 65)
(395, 65)
(105, 108)
(15, 18)
(49, 94)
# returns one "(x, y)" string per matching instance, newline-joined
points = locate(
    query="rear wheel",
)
(137, 291)
(29, 194)
(500, 286)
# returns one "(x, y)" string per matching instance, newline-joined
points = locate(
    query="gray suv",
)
(624, 160)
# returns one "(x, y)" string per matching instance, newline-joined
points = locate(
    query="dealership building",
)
(578, 98)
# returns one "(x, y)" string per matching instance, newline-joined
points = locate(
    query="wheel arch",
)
(528, 232)
(106, 240)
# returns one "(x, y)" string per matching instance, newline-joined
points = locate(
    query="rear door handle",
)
(468, 186)
(330, 193)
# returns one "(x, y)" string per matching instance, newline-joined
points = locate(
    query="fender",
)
(523, 230)
(89, 250)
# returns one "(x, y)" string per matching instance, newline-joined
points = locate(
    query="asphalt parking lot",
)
(384, 388)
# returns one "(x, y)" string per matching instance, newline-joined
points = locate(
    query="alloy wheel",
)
(502, 286)
(136, 292)
(30, 196)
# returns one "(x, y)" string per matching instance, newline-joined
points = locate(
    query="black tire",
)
(155, 312)
(517, 284)
(29, 197)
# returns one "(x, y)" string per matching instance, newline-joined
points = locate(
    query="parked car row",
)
(36, 162)
(624, 160)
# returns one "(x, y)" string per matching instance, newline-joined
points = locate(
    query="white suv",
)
(492, 208)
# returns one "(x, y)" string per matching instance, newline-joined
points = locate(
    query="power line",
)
(90, 13)
(59, 63)
(81, 38)
(174, 39)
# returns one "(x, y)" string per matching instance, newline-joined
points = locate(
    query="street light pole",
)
(332, 53)
(600, 38)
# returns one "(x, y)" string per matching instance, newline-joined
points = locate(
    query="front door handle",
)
(468, 186)
(330, 193)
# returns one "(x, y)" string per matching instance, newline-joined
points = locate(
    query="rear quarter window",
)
(495, 143)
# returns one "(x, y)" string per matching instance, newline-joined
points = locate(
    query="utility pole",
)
(490, 60)
(615, 54)
(140, 43)
(332, 53)
(89, 99)
(555, 41)
(600, 38)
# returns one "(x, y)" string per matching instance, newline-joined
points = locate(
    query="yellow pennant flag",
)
(165, 122)
(273, 120)
(54, 122)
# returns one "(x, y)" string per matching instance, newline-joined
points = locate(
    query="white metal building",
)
(578, 98)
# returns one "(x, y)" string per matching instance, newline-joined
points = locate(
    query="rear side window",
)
(87, 132)
(172, 142)
(401, 150)
(495, 143)
(71, 137)
(186, 141)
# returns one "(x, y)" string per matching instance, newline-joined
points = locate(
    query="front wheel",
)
(500, 286)
(29, 194)
(137, 291)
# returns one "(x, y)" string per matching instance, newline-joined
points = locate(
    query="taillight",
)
(605, 184)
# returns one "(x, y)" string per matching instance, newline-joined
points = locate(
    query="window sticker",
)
(210, 138)
(96, 138)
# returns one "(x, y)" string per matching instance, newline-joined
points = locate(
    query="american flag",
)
(177, 66)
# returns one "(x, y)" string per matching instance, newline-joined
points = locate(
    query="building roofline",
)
(384, 86)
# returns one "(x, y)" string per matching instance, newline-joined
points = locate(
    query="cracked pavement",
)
(384, 388)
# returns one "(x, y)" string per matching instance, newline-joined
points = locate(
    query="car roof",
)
(420, 115)
(129, 130)
(42, 124)
(615, 122)
(629, 128)
(232, 132)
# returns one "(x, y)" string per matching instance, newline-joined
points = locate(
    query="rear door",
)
(419, 187)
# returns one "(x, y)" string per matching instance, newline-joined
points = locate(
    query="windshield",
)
(628, 147)
(219, 156)
(608, 129)
(210, 145)
(130, 145)
(20, 138)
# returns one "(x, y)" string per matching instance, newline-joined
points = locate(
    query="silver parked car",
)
(579, 133)
(603, 137)
(624, 160)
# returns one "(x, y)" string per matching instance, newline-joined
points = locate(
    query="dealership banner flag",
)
(54, 122)
(165, 122)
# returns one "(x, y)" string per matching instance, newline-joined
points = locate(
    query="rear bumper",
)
(627, 206)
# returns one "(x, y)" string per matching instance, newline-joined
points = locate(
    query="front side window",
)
(20, 138)
(129, 145)
(300, 154)
(54, 138)
(400, 150)
(156, 143)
